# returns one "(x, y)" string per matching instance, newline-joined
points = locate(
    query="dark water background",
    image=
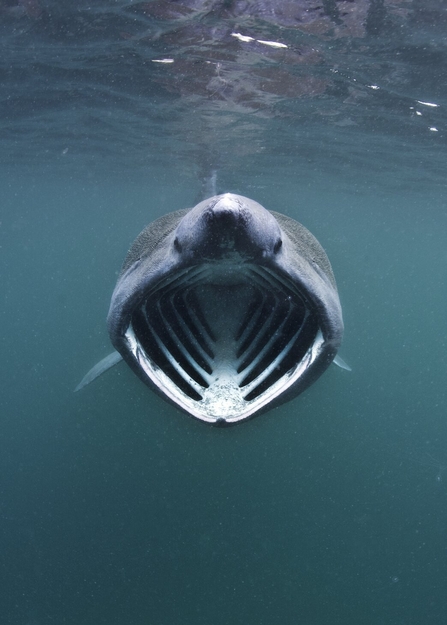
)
(115, 509)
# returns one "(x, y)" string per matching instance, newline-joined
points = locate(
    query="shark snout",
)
(227, 225)
(224, 225)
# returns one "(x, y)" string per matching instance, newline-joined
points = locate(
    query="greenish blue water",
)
(115, 508)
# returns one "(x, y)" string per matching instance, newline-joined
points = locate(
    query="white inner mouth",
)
(223, 340)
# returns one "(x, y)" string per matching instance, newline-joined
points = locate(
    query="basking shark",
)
(226, 310)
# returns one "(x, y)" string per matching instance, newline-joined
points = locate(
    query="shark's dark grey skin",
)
(226, 309)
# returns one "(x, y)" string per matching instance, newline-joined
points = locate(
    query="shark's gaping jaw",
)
(223, 339)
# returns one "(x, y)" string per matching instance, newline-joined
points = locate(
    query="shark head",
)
(226, 309)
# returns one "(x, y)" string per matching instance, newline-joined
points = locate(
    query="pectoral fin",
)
(341, 363)
(101, 366)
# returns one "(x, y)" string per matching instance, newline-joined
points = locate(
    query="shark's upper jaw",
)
(223, 340)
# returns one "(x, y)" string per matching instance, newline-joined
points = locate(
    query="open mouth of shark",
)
(222, 340)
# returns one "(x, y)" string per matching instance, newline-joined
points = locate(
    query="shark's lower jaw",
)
(222, 341)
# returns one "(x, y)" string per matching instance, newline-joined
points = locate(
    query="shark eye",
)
(177, 245)
(278, 246)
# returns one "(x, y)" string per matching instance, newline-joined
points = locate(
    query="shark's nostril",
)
(177, 245)
(278, 246)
